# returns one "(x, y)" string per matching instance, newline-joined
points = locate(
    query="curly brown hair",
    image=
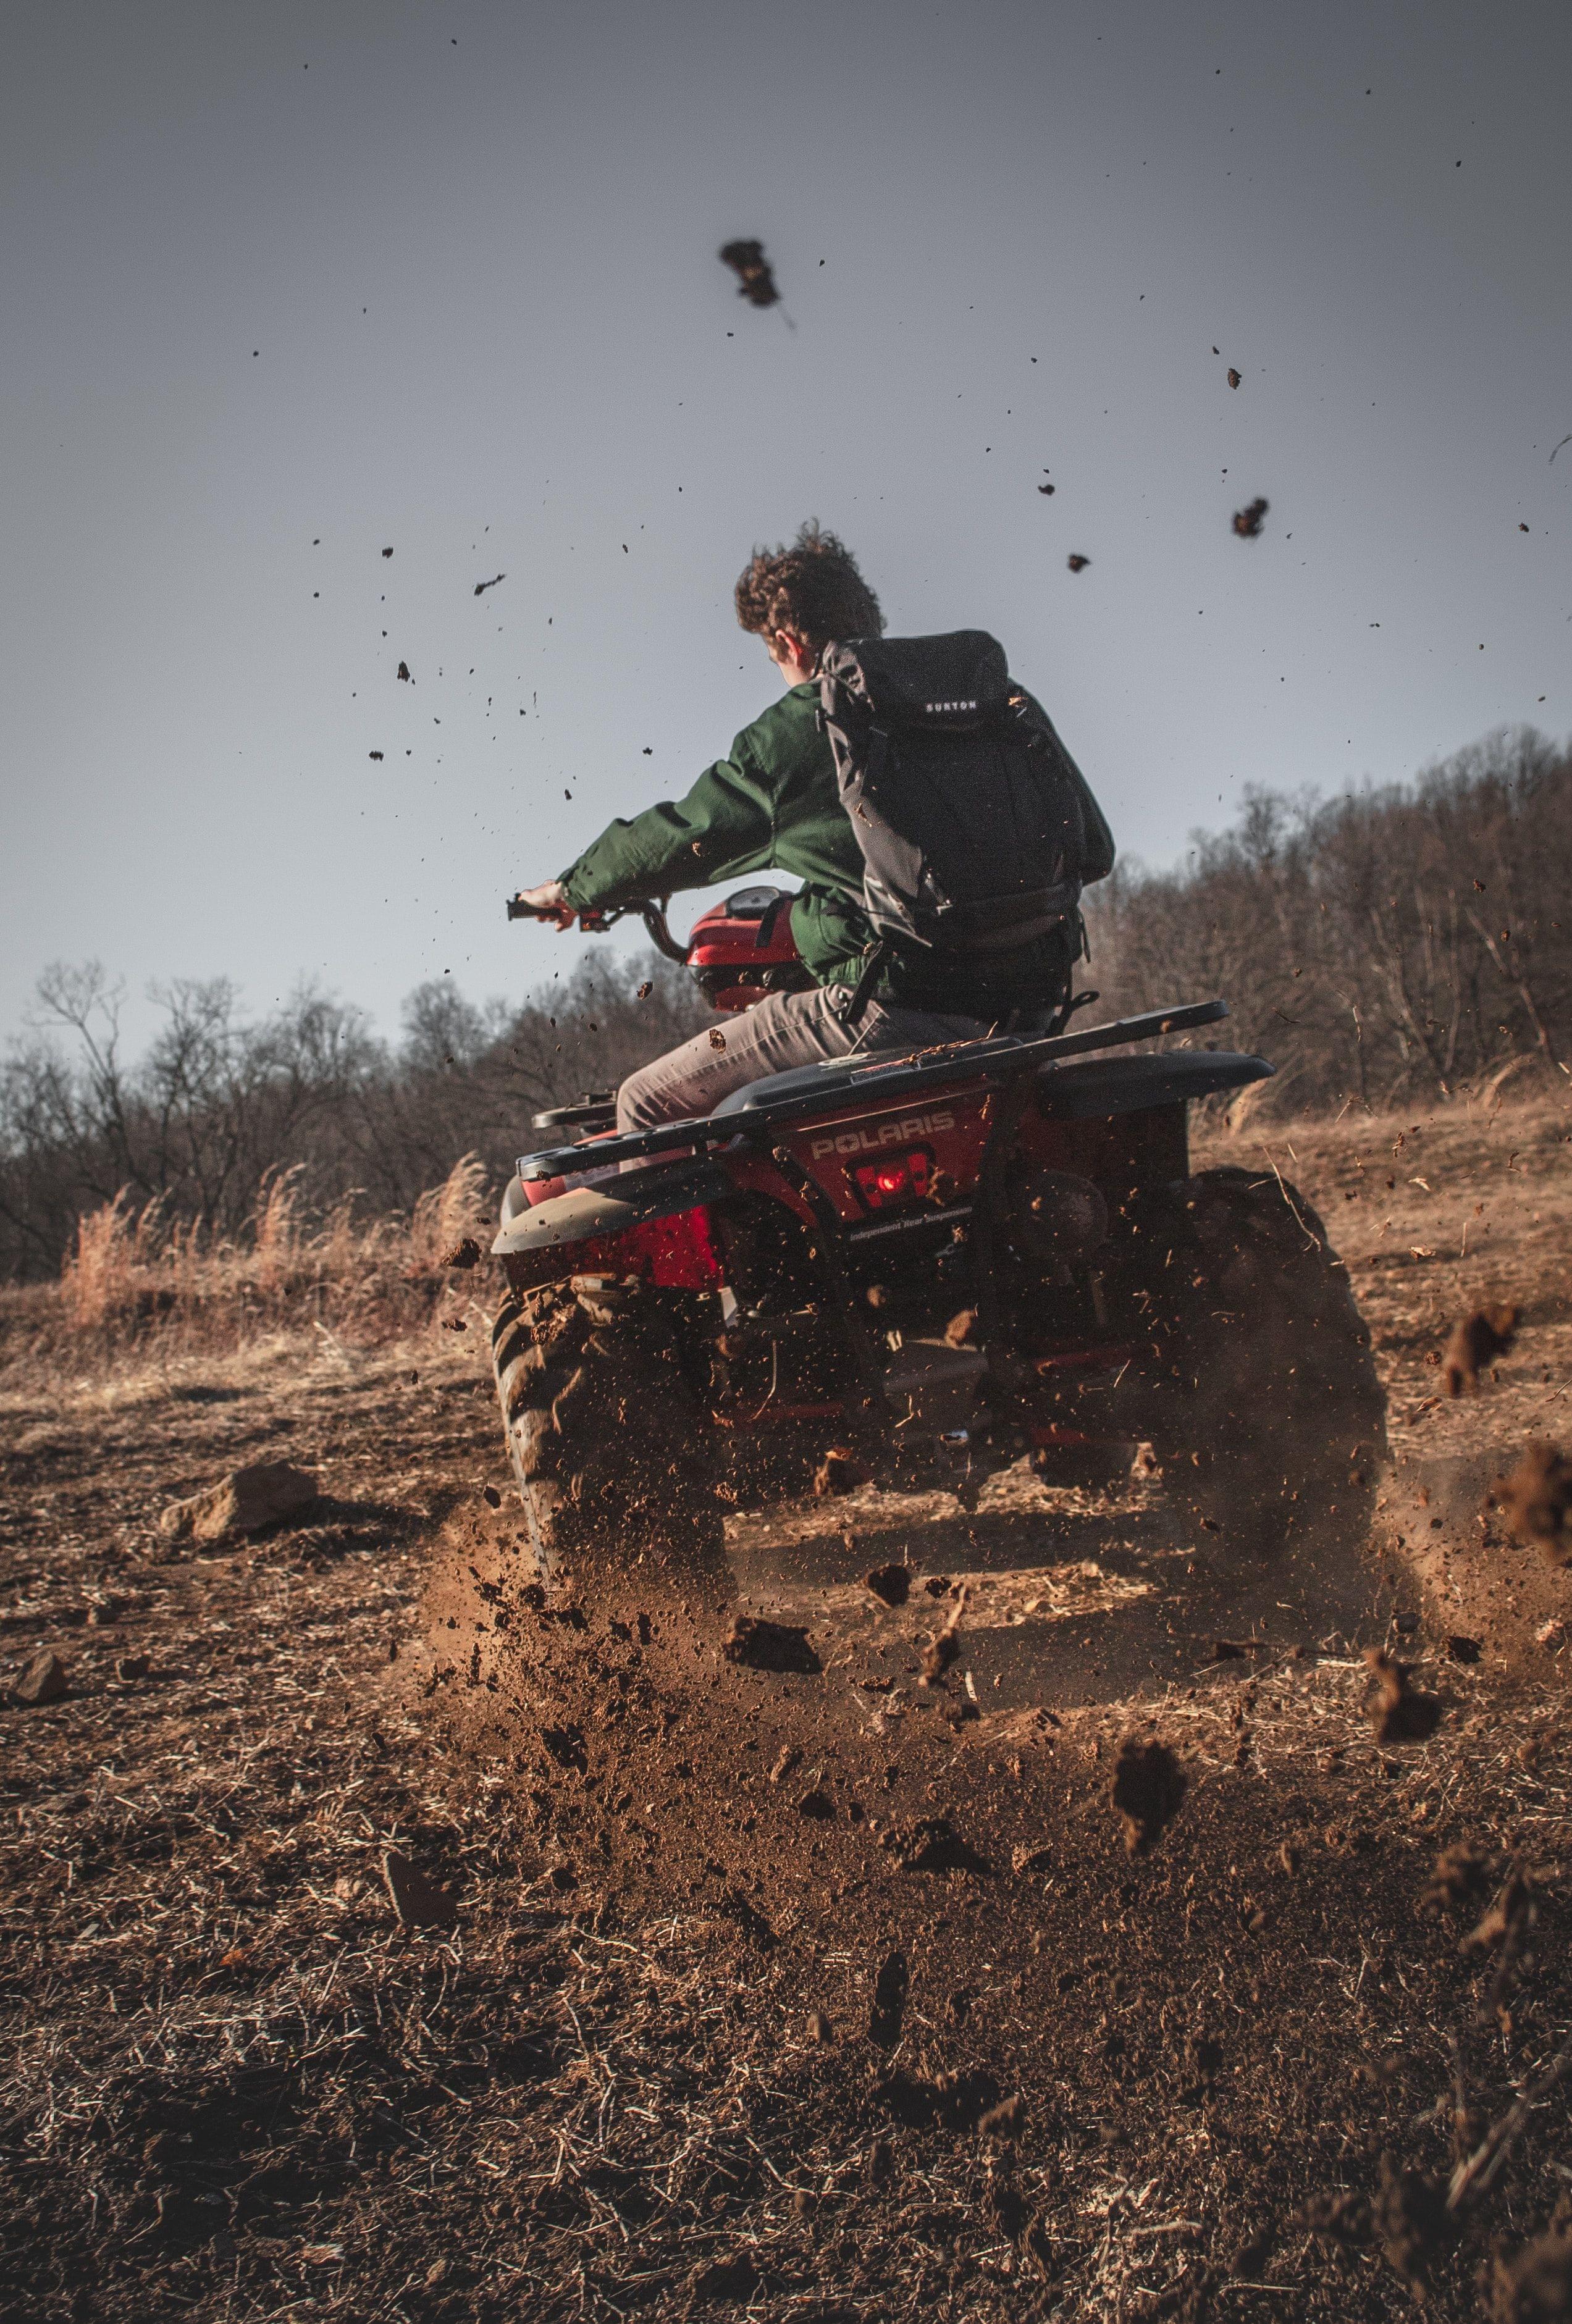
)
(813, 587)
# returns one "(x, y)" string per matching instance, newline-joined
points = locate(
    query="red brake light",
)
(898, 1178)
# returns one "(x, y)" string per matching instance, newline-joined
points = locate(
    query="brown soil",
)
(799, 1993)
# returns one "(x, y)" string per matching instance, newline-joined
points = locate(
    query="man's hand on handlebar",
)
(546, 903)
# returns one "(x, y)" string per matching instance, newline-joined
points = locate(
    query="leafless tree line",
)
(221, 1103)
(1384, 945)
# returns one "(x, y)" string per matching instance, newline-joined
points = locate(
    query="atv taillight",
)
(898, 1178)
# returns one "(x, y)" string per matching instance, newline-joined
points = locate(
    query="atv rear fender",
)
(654, 1223)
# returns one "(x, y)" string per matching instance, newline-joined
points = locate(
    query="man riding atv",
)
(896, 1204)
(775, 803)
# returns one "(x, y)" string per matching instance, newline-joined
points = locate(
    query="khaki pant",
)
(786, 1029)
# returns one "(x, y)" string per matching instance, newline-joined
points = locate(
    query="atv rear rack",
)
(759, 1119)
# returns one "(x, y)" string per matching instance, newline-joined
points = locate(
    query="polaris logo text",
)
(888, 1133)
(937, 709)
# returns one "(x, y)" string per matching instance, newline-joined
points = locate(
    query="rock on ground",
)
(244, 1501)
(43, 1680)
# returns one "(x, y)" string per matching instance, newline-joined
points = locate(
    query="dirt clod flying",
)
(1503, 1925)
(840, 1471)
(756, 276)
(1411, 2223)
(1006, 2120)
(1537, 1499)
(945, 1645)
(464, 1254)
(1402, 1714)
(1477, 1341)
(1461, 1875)
(1146, 1791)
(1247, 520)
(764, 1646)
(890, 1584)
(1533, 2285)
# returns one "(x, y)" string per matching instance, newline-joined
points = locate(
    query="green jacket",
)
(773, 805)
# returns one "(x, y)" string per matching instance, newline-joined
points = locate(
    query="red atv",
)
(943, 1262)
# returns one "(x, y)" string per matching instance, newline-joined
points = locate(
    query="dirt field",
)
(784, 1995)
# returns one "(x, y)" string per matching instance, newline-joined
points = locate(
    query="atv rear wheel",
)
(1264, 1403)
(613, 1451)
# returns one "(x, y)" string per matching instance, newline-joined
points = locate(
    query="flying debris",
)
(404, 668)
(756, 277)
(387, 552)
(1078, 564)
(1234, 378)
(1247, 520)
(1045, 488)
(481, 587)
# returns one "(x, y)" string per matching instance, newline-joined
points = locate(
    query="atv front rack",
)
(757, 1116)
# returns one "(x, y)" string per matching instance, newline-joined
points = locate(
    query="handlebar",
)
(595, 924)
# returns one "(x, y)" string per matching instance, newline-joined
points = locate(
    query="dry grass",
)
(1438, 1210)
(142, 1287)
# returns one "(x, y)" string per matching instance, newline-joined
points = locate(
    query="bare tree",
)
(220, 1103)
(1392, 941)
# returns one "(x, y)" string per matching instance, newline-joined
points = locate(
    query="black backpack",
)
(971, 814)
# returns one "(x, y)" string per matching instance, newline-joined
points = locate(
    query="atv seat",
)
(831, 1079)
(1075, 1088)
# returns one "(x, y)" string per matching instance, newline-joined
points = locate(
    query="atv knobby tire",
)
(613, 1451)
(1262, 1398)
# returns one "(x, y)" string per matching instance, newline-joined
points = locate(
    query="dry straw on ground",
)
(136, 1276)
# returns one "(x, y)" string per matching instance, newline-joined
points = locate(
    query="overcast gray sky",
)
(286, 285)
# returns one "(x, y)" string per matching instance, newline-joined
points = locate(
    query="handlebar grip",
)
(518, 909)
(594, 924)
